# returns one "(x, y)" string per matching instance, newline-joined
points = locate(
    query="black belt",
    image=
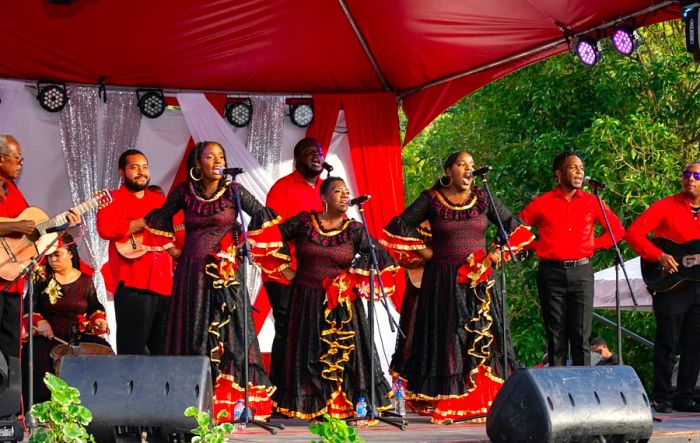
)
(566, 264)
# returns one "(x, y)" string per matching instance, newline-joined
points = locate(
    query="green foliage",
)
(206, 431)
(633, 120)
(62, 418)
(333, 430)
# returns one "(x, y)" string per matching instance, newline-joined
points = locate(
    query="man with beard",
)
(290, 195)
(565, 219)
(677, 311)
(143, 284)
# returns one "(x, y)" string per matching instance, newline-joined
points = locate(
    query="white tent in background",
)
(605, 288)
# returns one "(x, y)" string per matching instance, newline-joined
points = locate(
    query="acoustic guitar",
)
(16, 251)
(686, 254)
(134, 247)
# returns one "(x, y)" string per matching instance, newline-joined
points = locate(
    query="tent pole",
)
(364, 44)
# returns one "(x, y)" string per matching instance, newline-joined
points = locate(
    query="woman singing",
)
(206, 313)
(65, 304)
(452, 368)
(328, 347)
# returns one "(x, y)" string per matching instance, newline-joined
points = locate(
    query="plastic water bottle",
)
(399, 398)
(239, 426)
(361, 412)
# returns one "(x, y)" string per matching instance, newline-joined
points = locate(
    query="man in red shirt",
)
(290, 195)
(565, 219)
(677, 311)
(144, 283)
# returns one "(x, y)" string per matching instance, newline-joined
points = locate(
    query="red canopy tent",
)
(429, 53)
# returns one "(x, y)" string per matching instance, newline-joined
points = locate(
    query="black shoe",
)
(663, 407)
(686, 406)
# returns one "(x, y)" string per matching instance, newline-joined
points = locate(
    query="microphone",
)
(228, 171)
(480, 172)
(61, 228)
(359, 200)
(595, 184)
(327, 167)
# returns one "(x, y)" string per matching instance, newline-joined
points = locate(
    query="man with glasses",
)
(12, 203)
(565, 219)
(677, 311)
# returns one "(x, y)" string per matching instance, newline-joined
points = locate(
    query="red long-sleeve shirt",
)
(566, 228)
(289, 196)
(669, 218)
(153, 271)
(11, 205)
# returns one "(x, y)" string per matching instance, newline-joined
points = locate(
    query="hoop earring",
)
(448, 184)
(325, 207)
(192, 169)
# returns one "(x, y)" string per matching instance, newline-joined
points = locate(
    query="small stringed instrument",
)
(134, 247)
(686, 254)
(16, 251)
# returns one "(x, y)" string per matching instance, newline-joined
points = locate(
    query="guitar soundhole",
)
(34, 236)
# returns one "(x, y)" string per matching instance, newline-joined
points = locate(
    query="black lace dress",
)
(452, 358)
(206, 312)
(329, 349)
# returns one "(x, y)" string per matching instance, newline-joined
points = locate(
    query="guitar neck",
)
(62, 218)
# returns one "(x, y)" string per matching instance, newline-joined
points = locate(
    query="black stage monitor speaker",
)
(10, 386)
(137, 390)
(571, 404)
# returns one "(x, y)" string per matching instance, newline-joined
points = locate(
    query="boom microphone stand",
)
(27, 270)
(246, 415)
(597, 186)
(372, 411)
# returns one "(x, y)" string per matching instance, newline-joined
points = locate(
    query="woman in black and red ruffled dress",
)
(451, 364)
(206, 314)
(328, 347)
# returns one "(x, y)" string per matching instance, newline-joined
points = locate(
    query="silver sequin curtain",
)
(265, 143)
(93, 134)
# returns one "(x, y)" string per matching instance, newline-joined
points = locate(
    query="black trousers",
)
(566, 299)
(10, 317)
(142, 319)
(677, 316)
(280, 297)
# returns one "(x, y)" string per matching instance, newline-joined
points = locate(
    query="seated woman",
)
(65, 303)
(329, 349)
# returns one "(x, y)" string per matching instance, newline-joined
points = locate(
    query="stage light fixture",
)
(52, 96)
(587, 51)
(239, 112)
(151, 102)
(691, 17)
(626, 41)
(302, 114)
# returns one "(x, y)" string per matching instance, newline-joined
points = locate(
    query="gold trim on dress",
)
(446, 203)
(212, 198)
(316, 223)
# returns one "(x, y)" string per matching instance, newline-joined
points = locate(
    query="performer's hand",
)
(494, 257)
(100, 325)
(288, 273)
(44, 328)
(26, 227)
(175, 252)
(136, 225)
(73, 217)
(24, 334)
(668, 263)
(426, 254)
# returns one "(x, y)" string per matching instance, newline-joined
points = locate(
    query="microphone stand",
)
(29, 419)
(503, 240)
(372, 411)
(246, 415)
(621, 263)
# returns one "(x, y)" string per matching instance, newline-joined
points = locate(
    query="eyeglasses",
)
(688, 174)
(18, 159)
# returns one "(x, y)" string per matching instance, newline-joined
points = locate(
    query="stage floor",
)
(675, 428)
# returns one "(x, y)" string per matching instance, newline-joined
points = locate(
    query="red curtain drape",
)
(326, 108)
(375, 147)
